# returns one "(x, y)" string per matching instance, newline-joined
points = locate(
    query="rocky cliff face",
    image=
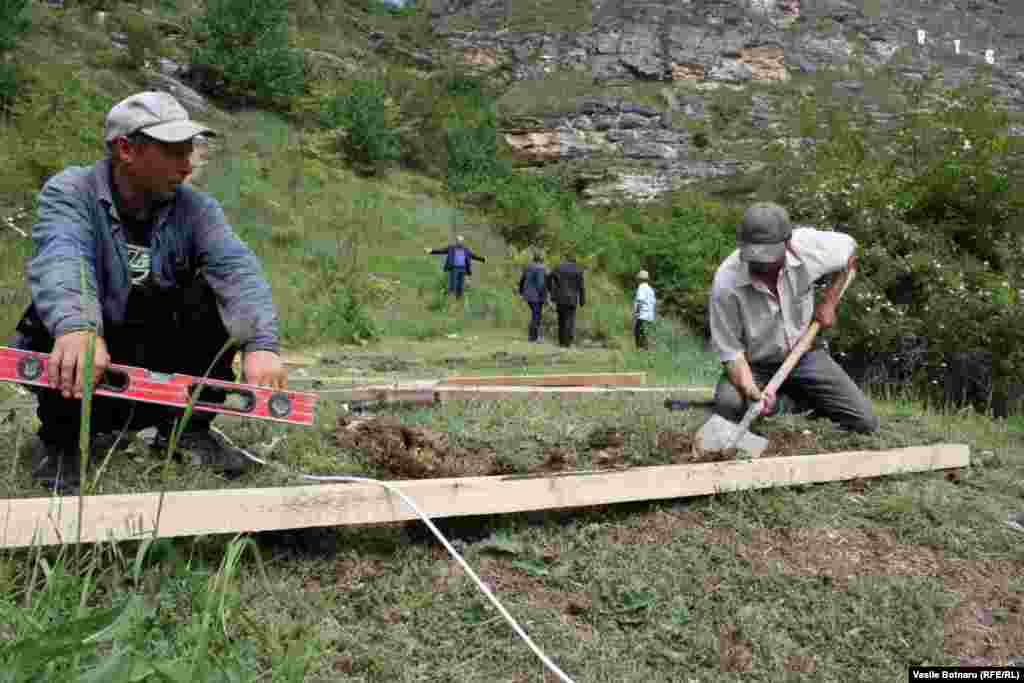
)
(645, 96)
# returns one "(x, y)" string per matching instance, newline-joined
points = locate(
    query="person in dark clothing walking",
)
(533, 289)
(458, 264)
(565, 284)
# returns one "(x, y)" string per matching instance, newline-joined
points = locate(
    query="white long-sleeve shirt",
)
(643, 305)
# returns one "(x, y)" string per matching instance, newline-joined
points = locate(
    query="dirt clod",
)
(790, 442)
(680, 446)
(412, 452)
(735, 653)
(559, 458)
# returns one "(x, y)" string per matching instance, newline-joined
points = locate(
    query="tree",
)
(13, 22)
(246, 43)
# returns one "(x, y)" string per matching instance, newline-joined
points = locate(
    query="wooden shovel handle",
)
(783, 372)
(802, 345)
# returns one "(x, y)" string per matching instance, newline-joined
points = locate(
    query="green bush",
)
(682, 253)
(8, 85)
(335, 289)
(367, 124)
(246, 43)
(472, 143)
(13, 22)
(143, 42)
(937, 209)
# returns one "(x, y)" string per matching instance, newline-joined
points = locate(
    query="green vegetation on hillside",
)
(938, 209)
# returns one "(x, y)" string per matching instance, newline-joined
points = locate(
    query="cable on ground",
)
(430, 525)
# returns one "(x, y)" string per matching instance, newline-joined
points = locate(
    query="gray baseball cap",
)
(763, 232)
(155, 114)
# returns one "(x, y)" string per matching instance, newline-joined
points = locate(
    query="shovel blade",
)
(717, 434)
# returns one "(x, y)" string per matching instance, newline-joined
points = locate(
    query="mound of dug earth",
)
(399, 450)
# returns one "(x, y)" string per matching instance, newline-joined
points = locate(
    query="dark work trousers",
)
(816, 383)
(640, 334)
(183, 337)
(566, 324)
(456, 281)
(536, 311)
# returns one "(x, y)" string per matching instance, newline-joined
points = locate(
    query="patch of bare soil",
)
(350, 573)
(412, 452)
(801, 664)
(735, 654)
(657, 528)
(785, 443)
(987, 624)
(780, 444)
(985, 627)
(572, 606)
(559, 458)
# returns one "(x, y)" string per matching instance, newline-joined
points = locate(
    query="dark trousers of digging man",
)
(817, 383)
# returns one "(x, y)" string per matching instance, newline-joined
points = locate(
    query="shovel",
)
(719, 434)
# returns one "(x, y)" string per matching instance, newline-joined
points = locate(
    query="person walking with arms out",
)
(458, 263)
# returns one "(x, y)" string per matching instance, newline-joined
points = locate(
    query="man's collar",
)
(104, 181)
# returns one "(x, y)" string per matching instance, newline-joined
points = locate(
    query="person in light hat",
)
(643, 309)
(761, 302)
(167, 282)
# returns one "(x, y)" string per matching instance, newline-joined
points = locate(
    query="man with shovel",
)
(762, 301)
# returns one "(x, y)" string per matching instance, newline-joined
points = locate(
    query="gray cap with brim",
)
(763, 232)
(154, 114)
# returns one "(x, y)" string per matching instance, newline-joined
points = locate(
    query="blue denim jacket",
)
(78, 218)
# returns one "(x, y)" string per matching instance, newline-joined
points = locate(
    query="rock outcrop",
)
(728, 70)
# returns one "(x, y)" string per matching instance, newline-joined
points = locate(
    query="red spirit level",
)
(139, 384)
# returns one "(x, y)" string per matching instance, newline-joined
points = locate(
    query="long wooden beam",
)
(48, 521)
(497, 393)
(576, 380)
(430, 393)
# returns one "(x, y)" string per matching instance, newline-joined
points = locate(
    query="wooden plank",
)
(342, 381)
(47, 521)
(470, 393)
(577, 380)
(397, 394)
(429, 393)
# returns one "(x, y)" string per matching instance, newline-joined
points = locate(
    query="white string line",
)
(430, 525)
